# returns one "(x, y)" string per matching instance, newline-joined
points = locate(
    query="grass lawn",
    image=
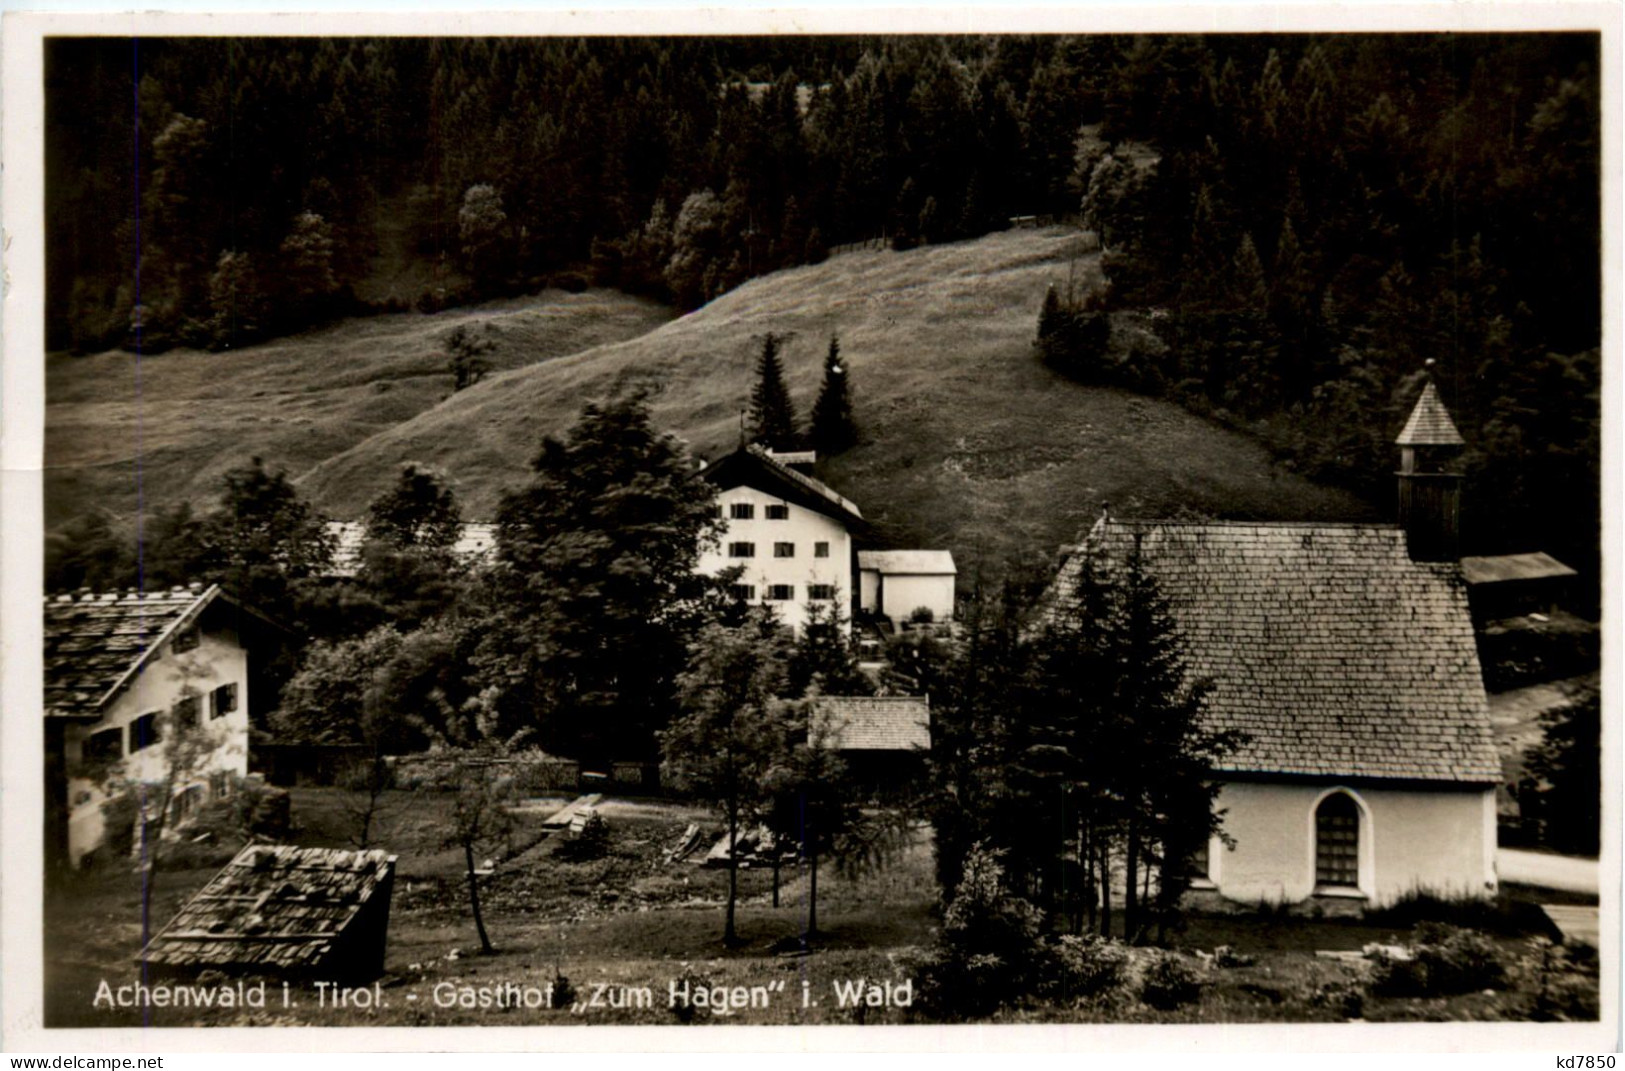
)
(182, 418)
(631, 920)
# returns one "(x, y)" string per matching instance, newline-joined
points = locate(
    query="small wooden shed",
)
(293, 912)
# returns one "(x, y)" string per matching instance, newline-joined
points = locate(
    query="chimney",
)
(1429, 486)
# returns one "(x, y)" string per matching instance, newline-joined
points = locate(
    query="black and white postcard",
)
(1048, 521)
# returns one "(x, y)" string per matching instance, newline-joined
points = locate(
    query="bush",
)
(1346, 997)
(571, 282)
(1084, 966)
(1562, 981)
(989, 945)
(1445, 960)
(1503, 916)
(564, 991)
(1169, 982)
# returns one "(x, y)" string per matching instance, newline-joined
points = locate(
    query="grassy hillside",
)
(189, 415)
(969, 443)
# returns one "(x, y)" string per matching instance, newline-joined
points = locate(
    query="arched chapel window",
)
(1337, 841)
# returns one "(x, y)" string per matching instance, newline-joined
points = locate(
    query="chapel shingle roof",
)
(94, 643)
(877, 723)
(1430, 423)
(1335, 652)
(282, 909)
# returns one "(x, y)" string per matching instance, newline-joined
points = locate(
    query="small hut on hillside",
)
(298, 912)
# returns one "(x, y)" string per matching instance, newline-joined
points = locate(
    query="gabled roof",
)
(908, 562)
(1509, 567)
(1430, 423)
(752, 466)
(279, 909)
(877, 723)
(1334, 651)
(95, 644)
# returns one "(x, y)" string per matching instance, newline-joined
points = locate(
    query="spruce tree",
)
(772, 419)
(833, 428)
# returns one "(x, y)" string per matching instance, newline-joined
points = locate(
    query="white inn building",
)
(790, 533)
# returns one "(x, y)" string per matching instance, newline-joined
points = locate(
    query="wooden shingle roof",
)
(1430, 423)
(1326, 644)
(96, 643)
(281, 909)
(877, 723)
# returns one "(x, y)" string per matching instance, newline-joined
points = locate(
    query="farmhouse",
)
(907, 585)
(127, 676)
(1346, 655)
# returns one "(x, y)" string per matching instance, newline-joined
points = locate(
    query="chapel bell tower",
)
(1429, 485)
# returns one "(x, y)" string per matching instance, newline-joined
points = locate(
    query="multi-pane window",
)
(784, 550)
(821, 592)
(716, 510)
(104, 746)
(821, 549)
(743, 592)
(742, 511)
(778, 513)
(223, 700)
(1337, 841)
(144, 732)
(781, 592)
(741, 550)
(186, 712)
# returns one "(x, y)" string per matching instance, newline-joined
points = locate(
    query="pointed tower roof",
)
(1430, 423)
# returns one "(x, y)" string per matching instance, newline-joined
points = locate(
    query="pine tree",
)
(772, 419)
(833, 427)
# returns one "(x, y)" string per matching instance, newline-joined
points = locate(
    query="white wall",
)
(869, 590)
(901, 595)
(1440, 841)
(217, 659)
(803, 528)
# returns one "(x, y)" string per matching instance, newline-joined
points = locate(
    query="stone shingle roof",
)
(908, 562)
(877, 723)
(283, 909)
(1430, 423)
(94, 644)
(1334, 651)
